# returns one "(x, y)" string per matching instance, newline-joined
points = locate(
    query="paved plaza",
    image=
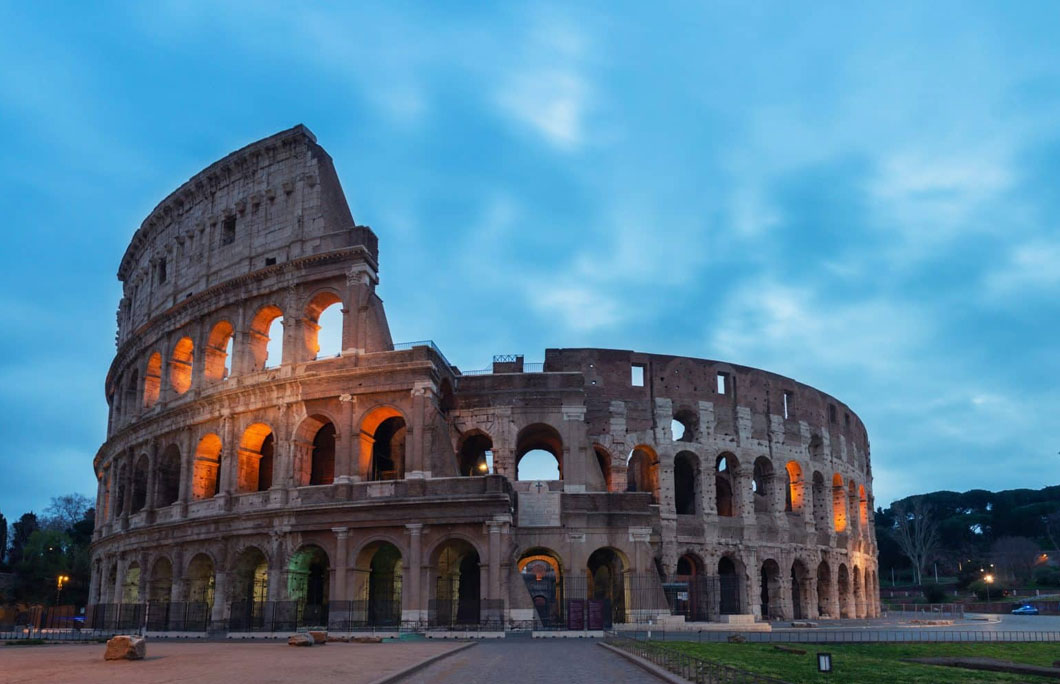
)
(231, 663)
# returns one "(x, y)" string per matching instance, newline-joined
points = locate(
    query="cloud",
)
(580, 309)
(1029, 269)
(546, 90)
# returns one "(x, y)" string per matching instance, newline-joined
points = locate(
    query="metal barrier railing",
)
(943, 610)
(851, 636)
(693, 668)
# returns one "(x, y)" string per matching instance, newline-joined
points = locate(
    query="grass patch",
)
(873, 663)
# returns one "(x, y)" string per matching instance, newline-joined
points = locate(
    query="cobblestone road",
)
(532, 660)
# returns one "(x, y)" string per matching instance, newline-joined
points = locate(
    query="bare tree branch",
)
(917, 533)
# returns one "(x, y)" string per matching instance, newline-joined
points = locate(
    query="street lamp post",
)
(60, 581)
(989, 579)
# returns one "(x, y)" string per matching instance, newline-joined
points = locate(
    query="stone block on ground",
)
(368, 640)
(319, 636)
(125, 647)
(300, 639)
(804, 624)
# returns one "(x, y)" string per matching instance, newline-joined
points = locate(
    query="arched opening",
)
(800, 590)
(603, 461)
(382, 440)
(642, 471)
(119, 502)
(770, 591)
(266, 338)
(607, 583)
(794, 499)
(219, 352)
(250, 590)
(180, 365)
(379, 572)
(256, 458)
(542, 575)
(308, 573)
(457, 586)
(200, 577)
(846, 603)
(859, 596)
(538, 453)
(152, 380)
(863, 507)
(168, 488)
(820, 503)
(128, 404)
(839, 504)
(762, 484)
(130, 586)
(323, 326)
(686, 482)
(316, 438)
(689, 592)
(206, 470)
(161, 586)
(476, 454)
(724, 481)
(446, 397)
(684, 426)
(824, 590)
(139, 491)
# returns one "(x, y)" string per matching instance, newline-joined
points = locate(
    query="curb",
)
(401, 674)
(646, 665)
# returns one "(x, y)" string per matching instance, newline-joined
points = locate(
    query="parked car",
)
(1025, 609)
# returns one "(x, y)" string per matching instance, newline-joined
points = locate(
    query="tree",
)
(3, 539)
(916, 532)
(22, 531)
(1015, 557)
(65, 511)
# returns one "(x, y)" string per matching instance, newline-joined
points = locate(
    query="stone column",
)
(152, 477)
(414, 608)
(414, 442)
(341, 562)
(229, 459)
(495, 527)
(811, 599)
(346, 449)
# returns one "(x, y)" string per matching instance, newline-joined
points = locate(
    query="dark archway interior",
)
(265, 465)
(388, 451)
(322, 467)
(472, 459)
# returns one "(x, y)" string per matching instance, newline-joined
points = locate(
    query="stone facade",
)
(387, 474)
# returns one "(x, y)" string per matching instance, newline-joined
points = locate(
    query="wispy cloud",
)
(1029, 270)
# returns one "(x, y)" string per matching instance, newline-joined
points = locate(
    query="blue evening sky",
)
(864, 196)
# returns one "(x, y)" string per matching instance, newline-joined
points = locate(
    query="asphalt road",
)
(532, 660)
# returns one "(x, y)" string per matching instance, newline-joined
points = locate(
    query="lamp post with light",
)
(60, 581)
(989, 579)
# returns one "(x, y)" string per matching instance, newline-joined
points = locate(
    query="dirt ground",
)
(227, 662)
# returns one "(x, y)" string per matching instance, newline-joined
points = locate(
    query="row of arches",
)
(321, 325)
(845, 502)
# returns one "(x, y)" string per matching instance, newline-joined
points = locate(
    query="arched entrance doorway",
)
(457, 585)
(800, 590)
(250, 586)
(770, 591)
(607, 584)
(729, 587)
(380, 572)
(308, 573)
(200, 582)
(544, 581)
(688, 593)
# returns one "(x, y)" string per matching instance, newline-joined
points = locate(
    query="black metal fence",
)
(466, 614)
(578, 603)
(690, 667)
(703, 598)
(851, 636)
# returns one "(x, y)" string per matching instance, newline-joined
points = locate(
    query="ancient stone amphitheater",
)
(380, 488)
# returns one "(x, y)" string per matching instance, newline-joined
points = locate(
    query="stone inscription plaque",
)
(539, 507)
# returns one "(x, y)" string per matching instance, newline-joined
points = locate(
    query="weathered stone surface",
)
(221, 460)
(319, 636)
(300, 639)
(368, 640)
(125, 647)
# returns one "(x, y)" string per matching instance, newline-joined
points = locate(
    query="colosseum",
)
(250, 483)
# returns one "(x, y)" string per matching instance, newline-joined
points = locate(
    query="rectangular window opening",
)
(787, 404)
(723, 383)
(162, 271)
(228, 230)
(270, 261)
(846, 419)
(831, 413)
(637, 375)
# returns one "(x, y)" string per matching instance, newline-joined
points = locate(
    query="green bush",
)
(934, 593)
(1047, 576)
(992, 592)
